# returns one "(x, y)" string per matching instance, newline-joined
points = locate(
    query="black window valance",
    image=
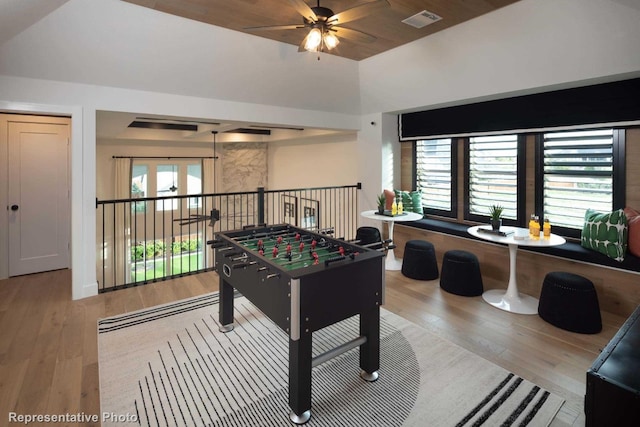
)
(606, 103)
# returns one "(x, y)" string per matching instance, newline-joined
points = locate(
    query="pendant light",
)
(173, 187)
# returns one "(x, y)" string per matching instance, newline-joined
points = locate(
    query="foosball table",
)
(304, 281)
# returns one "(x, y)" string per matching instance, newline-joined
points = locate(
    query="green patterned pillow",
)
(606, 233)
(411, 201)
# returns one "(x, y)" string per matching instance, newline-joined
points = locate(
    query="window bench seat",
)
(570, 250)
(617, 283)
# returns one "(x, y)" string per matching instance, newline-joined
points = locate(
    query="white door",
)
(38, 195)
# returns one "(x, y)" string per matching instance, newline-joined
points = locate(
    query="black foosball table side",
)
(327, 298)
(304, 301)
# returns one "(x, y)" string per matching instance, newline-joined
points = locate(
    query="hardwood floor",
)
(49, 359)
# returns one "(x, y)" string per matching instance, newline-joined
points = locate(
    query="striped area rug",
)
(169, 366)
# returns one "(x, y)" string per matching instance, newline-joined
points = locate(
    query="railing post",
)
(261, 205)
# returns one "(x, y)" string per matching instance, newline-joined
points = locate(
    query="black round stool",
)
(419, 260)
(461, 274)
(368, 235)
(570, 302)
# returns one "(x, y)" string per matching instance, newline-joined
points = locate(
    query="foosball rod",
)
(258, 236)
(270, 243)
(337, 351)
(321, 257)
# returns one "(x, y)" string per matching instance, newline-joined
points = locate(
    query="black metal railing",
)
(144, 240)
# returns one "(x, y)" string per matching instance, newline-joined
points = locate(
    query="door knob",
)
(14, 207)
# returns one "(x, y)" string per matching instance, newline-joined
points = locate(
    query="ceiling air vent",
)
(163, 126)
(422, 19)
(250, 131)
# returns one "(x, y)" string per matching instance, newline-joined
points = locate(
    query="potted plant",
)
(382, 201)
(495, 212)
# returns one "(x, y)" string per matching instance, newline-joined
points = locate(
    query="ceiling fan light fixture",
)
(330, 40)
(319, 39)
(314, 38)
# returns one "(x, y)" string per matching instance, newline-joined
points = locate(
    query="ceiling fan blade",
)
(357, 12)
(304, 10)
(275, 27)
(354, 35)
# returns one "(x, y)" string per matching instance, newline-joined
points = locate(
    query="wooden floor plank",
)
(90, 391)
(11, 378)
(65, 387)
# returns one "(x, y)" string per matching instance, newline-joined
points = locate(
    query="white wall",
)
(528, 46)
(379, 154)
(327, 161)
(118, 44)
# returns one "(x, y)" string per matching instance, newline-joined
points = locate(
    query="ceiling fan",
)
(325, 26)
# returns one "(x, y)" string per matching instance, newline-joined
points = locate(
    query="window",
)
(579, 172)
(567, 172)
(194, 184)
(434, 167)
(180, 178)
(178, 184)
(139, 182)
(494, 176)
(167, 185)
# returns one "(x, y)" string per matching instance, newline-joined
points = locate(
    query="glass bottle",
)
(394, 208)
(535, 227)
(400, 206)
(531, 221)
(546, 228)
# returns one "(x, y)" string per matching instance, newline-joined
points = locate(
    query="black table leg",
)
(225, 314)
(300, 378)
(370, 350)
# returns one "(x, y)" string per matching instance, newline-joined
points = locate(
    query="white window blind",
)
(493, 174)
(433, 173)
(578, 174)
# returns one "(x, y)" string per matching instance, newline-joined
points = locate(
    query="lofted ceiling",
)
(385, 23)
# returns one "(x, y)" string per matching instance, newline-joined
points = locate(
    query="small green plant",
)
(495, 211)
(382, 201)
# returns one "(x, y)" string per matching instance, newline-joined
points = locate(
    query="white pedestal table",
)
(511, 300)
(391, 262)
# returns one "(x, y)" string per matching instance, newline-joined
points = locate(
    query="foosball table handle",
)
(334, 259)
(216, 243)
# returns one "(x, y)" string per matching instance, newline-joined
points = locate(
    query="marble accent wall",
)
(244, 168)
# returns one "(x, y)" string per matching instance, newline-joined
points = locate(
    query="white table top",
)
(406, 216)
(553, 240)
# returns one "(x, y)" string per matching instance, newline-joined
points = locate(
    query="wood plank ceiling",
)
(385, 24)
